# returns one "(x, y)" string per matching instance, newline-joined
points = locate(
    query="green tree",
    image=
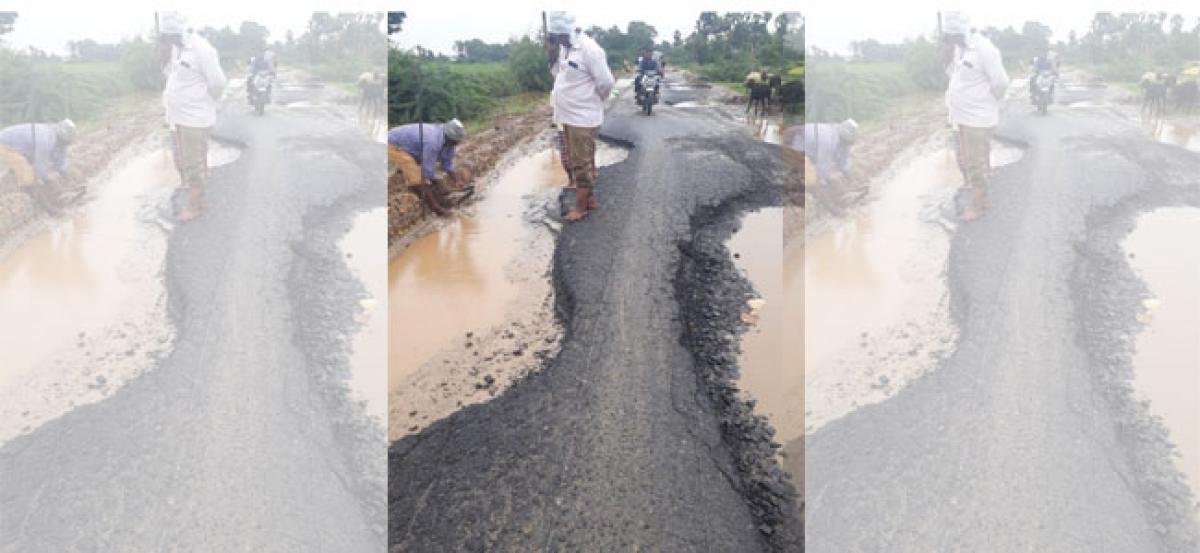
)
(527, 61)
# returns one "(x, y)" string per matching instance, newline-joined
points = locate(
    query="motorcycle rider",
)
(646, 62)
(1046, 62)
(263, 63)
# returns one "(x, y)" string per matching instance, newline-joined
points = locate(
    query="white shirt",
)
(977, 83)
(194, 83)
(582, 82)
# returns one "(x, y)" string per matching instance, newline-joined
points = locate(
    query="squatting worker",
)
(977, 85)
(827, 147)
(416, 149)
(195, 83)
(36, 153)
(582, 82)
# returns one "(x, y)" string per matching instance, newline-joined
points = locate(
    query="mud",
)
(99, 143)
(491, 262)
(103, 266)
(877, 285)
(715, 295)
(638, 439)
(409, 220)
(1044, 301)
(364, 247)
(1183, 134)
(1166, 363)
(264, 305)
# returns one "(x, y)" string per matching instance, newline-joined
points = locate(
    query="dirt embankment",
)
(408, 218)
(878, 145)
(93, 150)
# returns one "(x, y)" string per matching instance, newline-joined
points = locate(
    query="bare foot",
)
(187, 214)
(575, 215)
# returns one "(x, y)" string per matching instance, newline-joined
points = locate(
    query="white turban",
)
(560, 23)
(172, 23)
(956, 23)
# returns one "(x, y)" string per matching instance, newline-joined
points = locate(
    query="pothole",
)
(1004, 153)
(875, 319)
(778, 388)
(220, 153)
(103, 266)
(1167, 349)
(365, 250)
(1180, 134)
(470, 306)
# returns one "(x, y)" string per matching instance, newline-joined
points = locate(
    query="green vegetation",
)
(93, 77)
(423, 86)
(1123, 47)
(875, 77)
(483, 79)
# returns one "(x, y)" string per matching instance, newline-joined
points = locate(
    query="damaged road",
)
(631, 437)
(242, 436)
(1025, 437)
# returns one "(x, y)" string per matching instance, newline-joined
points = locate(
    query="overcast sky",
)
(833, 24)
(436, 25)
(50, 28)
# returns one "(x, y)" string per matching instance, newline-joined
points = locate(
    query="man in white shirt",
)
(582, 81)
(977, 85)
(195, 83)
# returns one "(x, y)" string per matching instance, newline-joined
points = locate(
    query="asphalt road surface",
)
(1024, 439)
(617, 444)
(236, 441)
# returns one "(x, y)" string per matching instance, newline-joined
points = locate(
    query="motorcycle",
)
(648, 95)
(260, 91)
(1043, 91)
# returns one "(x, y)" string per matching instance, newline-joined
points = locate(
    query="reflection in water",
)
(365, 246)
(455, 281)
(1179, 134)
(855, 275)
(82, 273)
(1167, 362)
(777, 387)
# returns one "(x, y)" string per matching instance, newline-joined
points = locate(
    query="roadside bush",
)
(527, 62)
(141, 65)
(47, 89)
(924, 65)
(420, 90)
(733, 70)
(864, 91)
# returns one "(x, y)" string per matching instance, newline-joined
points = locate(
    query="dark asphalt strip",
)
(1108, 294)
(713, 296)
(615, 445)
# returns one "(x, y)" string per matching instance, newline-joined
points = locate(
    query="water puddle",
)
(456, 280)
(1005, 154)
(1180, 134)
(365, 248)
(778, 388)
(84, 299)
(873, 285)
(222, 154)
(1167, 361)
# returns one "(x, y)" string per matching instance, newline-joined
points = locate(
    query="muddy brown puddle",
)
(454, 280)
(873, 286)
(84, 298)
(1167, 358)
(365, 250)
